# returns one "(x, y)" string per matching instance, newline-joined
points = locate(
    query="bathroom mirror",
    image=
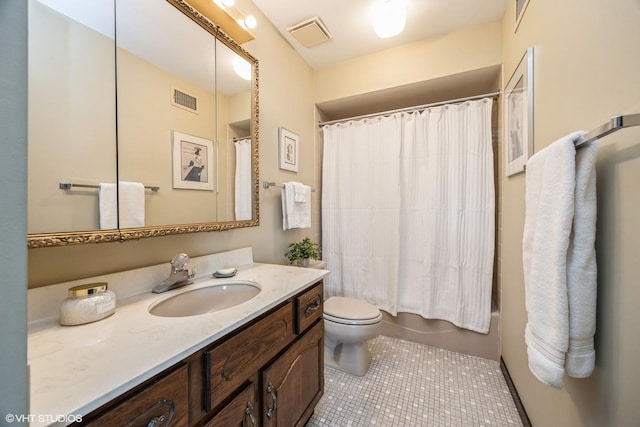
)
(178, 97)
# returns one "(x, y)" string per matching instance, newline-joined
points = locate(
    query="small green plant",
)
(299, 253)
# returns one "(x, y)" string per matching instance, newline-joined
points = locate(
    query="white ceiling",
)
(353, 36)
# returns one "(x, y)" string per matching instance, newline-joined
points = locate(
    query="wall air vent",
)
(310, 32)
(181, 99)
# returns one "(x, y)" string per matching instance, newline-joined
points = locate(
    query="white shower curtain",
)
(243, 208)
(408, 212)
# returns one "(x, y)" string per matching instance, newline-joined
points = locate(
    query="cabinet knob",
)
(274, 400)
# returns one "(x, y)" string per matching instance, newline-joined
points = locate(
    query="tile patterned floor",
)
(410, 384)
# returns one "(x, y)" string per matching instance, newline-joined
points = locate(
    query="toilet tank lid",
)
(350, 308)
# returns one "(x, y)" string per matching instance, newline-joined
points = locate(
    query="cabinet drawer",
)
(162, 403)
(308, 308)
(231, 363)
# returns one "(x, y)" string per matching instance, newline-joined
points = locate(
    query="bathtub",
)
(443, 334)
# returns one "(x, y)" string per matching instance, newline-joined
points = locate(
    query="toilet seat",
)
(350, 311)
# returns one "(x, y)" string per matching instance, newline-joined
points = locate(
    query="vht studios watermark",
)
(42, 418)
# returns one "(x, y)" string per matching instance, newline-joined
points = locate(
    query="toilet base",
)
(351, 358)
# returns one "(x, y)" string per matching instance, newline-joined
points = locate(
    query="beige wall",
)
(586, 70)
(457, 52)
(286, 99)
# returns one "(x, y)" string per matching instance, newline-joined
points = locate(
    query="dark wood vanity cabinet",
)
(268, 372)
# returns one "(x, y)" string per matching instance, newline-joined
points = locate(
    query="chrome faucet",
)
(180, 275)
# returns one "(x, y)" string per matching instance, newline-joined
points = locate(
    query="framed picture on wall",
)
(288, 150)
(521, 6)
(192, 162)
(518, 116)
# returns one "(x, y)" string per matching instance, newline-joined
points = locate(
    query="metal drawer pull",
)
(249, 411)
(156, 421)
(274, 399)
(308, 311)
(160, 420)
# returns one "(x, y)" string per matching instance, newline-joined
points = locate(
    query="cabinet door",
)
(163, 403)
(239, 412)
(293, 384)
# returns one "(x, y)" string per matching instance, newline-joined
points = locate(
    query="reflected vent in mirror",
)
(181, 99)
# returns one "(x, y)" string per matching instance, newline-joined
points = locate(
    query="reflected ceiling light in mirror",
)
(389, 17)
(242, 68)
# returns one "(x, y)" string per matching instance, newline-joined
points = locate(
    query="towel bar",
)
(68, 185)
(267, 184)
(616, 123)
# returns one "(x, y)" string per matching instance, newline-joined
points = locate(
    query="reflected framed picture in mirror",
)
(288, 149)
(192, 162)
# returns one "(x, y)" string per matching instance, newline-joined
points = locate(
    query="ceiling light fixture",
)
(250, 22)
(389, 17)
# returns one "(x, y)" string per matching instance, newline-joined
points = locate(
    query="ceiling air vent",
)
(310, 32)
(181, 99)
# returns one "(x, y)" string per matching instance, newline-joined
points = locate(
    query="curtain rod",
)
(407, 109)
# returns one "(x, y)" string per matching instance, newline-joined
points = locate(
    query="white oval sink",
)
(206, 299)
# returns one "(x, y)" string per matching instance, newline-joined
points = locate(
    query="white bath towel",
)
(108, 202)
(294, 214)
(550, 188)
(582, 268)
(131, 200)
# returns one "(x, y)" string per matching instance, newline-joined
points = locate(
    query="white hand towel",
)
(550, 187)
(131, 205)
(294, 215)
(131, 202)
(302, 192)
(582, 268)
(108, 202)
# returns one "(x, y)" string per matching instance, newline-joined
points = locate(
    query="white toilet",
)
(348, 325)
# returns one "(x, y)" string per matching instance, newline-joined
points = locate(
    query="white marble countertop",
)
(74, 370)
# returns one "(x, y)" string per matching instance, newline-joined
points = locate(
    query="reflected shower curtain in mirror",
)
(243, 180)
(408, 212)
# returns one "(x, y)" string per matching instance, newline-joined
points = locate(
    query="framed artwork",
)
(288, 150)
(521, 6)
(192, 162)
(518, 116)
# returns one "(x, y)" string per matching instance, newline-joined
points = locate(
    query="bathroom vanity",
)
(258, 363)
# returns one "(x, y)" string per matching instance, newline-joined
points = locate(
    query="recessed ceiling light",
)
(389, 17)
